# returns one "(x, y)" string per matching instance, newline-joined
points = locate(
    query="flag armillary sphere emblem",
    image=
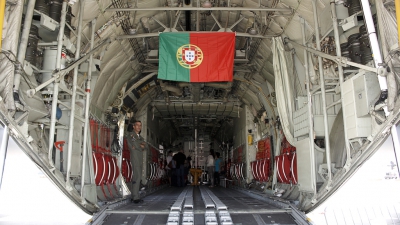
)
(189, 56)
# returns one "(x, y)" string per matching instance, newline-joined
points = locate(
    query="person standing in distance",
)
(168, 169)
(137, 146)
(180, 158)
(210, 167)
(217, 163)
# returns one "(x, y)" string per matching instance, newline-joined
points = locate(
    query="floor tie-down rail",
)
(185, 199)
(213, 203)
(244, 208)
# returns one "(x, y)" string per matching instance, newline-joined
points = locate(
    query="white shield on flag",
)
(190, 55)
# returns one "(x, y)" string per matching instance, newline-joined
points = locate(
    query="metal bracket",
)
(349, 22)
(382, 70)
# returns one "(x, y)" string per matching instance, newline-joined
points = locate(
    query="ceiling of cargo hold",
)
(127, 68)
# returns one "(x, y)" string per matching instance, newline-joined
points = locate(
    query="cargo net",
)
(105, 164)
(260, 168)
(155, 167)
(236, 166)
(126, 167)
(286, 164)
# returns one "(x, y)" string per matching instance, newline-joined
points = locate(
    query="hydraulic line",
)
(341, 78)
(323, 94)
(309, 106)
(56, 83)
(73, 98)
(374, 45)
(87, 114)
(24, 40)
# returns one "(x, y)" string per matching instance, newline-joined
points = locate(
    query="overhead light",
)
(253, 31)
(207, 4)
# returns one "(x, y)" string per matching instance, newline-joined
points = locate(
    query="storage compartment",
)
(359, 93)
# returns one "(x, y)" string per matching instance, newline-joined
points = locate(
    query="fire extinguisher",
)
(250, 138)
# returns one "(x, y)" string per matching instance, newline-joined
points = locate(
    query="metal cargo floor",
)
(244, 209)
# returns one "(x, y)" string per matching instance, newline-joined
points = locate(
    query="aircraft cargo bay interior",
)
(294, 96)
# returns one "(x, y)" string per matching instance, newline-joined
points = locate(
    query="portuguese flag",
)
(196, 56)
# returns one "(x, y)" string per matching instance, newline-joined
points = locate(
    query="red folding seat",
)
(99, 170)
(282, 178)
(293, 168)
(252, 165)
(258, 174)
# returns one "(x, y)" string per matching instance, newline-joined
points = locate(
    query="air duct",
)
(353, 6)
(31, 50)
(68, 19)
(49, 65)
(42, 6)
(226, 85)
(365, 47)
(183, 84)
(146, 27)
(354, 47)
(258, 78)
(55, 10)
(250, 23)
(176, 90)
(197, 94)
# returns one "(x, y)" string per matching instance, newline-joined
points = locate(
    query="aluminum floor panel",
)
(244, 209)
(261, 219)
(235, 200)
